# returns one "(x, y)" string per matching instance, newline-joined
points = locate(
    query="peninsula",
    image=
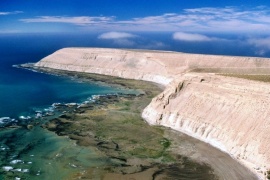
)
(220, 100)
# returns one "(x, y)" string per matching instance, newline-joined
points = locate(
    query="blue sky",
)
(120, 21)
(241, 16)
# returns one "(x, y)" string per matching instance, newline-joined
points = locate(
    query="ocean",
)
(40, 154)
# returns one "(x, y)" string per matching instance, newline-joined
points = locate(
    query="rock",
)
(58, 105)
(71, 104)
(29, 126)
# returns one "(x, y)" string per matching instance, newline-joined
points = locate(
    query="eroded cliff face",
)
(156, 66)
(229, 113)
(113, 62)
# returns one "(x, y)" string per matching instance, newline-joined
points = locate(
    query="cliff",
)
(156, 66)
(231, 114)
(228, 113)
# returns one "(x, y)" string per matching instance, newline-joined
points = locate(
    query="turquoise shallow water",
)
(38, 153)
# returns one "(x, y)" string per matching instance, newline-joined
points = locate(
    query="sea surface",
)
(24, 94)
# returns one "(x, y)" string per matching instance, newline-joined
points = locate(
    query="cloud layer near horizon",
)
(130, 40)
(116, 35)
(10, 13)
(227, 19)
(190, 37)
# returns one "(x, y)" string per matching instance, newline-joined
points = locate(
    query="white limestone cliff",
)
(229, 113)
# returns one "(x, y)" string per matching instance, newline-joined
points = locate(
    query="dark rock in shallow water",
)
(79, 111)
(71, 104)
(86, 106)
(29, 126)
(58, 105)
(65, 116)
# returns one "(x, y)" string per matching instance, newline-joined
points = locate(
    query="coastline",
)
(136, 163)
(195, 93)
(218, 169)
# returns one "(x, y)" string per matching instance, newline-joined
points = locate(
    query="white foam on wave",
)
(4, 148)
(21, 170)
(24, 117)
(7, 168)
(4, 119)
(25, 170)
(16, 161)
(38, 174)
(49, 109)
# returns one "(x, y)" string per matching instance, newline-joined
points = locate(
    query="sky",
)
(241, 16)
(123, 20)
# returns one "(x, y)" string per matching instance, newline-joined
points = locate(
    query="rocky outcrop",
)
(229, 113)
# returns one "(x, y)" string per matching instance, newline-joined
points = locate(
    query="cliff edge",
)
(229, 113)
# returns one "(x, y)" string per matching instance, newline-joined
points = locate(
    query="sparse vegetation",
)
(166, 143)
(115, 127)
(254, 77)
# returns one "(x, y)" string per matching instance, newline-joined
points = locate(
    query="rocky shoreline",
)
(194, 95)
(108, 123)
(114, 121)
(110, 131)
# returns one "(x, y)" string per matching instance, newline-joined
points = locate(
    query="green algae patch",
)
(113, 125)
(254, 77)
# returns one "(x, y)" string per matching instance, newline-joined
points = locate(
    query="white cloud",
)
(190, 37)
(260, 42)
(262, 45)
(208, 19)
(122, 39)
(228, 19)
(77, 20)
(9, 13)
(116, 35)
(129, 40)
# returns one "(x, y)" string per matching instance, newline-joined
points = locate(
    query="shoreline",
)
(94, 75)
(194, 95)
(149, 161)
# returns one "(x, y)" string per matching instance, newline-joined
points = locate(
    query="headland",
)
(203, 97)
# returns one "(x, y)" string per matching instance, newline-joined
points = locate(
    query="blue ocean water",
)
(22, 89)
(38, 153)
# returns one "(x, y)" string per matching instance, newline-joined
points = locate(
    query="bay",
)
(39, 154)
